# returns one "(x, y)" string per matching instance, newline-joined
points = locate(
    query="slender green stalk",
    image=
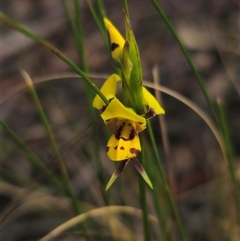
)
(60, 163)
(100, 8)
(125, 7)
(79, 29)
(82, 56)
(187, 56)
(231, 163)
(161, 215)
(14, 24)
(143, 204)
(31, 155)
(153, 172)
(99, 21)
(166, 187)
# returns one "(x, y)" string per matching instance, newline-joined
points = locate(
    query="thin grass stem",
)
(166, 187)
(45, 123)
(230, 154)
(187, 56)
(19, 27)
(31, 155)
(99, 21)
(143, 202)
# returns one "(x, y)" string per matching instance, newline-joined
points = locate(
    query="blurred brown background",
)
(209, 30)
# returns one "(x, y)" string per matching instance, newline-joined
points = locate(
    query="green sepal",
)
(142, 172)
(133, 78)
(126, 63)
(116, 173)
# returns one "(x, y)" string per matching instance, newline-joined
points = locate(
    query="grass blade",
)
(31, 155)
(231, 163)
(187, 56)
(14, 24)
(60, 163)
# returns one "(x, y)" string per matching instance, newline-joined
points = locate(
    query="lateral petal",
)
(109, 89)
(151, 102)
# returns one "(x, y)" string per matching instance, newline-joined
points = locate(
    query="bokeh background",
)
(200, 180)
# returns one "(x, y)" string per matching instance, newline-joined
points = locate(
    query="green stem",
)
(161, 215)
(99, 21)
(79, 32)
(143, 201)
(60, 163)
(125, 7)
(14, 24)
(231, 163)
(166, 186)
(31, 155)
(187, 56)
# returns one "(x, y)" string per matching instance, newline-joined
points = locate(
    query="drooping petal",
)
(116, 109)
(124, 143)
(108, 89)
(151, 102)
(116, 42)
(116, 173)
(141, 170)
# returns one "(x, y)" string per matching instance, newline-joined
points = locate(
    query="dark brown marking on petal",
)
(107, 148)
(121, 166)
(118, 131)
(114, 46)
(104, 108)
(115, 147)
(132, 135)
(150, 114)
(137, 165)
(134, 151)
(122, 148)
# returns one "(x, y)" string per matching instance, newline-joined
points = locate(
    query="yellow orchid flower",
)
(126, 124)
(124, 144)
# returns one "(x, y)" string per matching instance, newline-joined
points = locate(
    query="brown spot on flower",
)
(132, 135)
(150, 114)
(118, 131)
(107, 149)
(115, 147)
(114, 46)
(134, 151)
(122, 148)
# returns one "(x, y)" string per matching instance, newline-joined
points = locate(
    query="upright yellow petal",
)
(108, 89)
(151, 102)
(116, 42)
(116, 109)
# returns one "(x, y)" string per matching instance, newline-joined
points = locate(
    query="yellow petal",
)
(151, 102)
(116, 109)
(116, 42)
(108, 89)
(124, 144)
